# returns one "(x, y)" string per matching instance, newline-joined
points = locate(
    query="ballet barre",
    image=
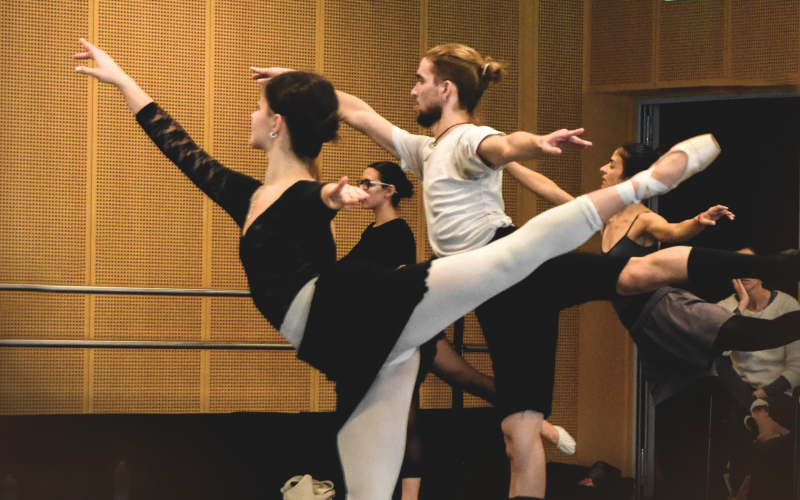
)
(148, 344)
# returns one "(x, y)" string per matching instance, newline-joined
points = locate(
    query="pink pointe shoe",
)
(700, 152)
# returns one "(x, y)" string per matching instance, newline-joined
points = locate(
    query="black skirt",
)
(357, 314)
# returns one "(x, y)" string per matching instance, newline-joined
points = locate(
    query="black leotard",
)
(628, 308)
(290, 244)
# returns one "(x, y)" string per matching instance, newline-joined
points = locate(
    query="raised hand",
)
(262, 75)
(104, 69)
(553, 143)
(107, 71)
(713, 214)
(744, 298)
(341, 195)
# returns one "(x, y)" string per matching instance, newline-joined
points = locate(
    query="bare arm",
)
(107, 71)
(498, 150)
(352, 110)
(538, 184)
(663, 231)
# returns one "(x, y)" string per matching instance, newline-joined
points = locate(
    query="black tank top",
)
(628, 308)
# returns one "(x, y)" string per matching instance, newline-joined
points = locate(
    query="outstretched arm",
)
(538, 184)
(231, 190)
(352, 110)
(498, 150)
(663, 231)
(341, 195)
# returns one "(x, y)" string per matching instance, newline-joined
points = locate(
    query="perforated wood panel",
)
(565, 391)
(147, 318)
(560, 87)
(238, 320)
(326, 394)
(434, 392)
(621, 42)
(764, 40)
(357, 61)
(141, 381)
(149, 216)
(691, 40)
(39, 316)
(483, 363)
(491, 28)
(259, 381)
(43, 137)
(560, 104)
(41, 380)
(241, 41)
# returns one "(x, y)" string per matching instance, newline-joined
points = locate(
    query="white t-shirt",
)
(761, 368)
(463, 197)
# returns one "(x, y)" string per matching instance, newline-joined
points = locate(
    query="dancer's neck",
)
(384, 214)
(284, 166)
(447, 122)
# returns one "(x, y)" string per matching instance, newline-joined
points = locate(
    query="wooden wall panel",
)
(765, 45)
(149, 216)
(41, 381)
(238, 320)
(621, 42)
(43, 138)
(38, 316)
(146, 381)
(560, 105)
(120, 317)
(691, 40)
(259, 381)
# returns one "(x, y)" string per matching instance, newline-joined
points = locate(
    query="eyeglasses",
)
(367, 183)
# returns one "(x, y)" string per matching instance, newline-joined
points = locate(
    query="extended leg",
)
(741, 333)
(700, 265)
(372, 441)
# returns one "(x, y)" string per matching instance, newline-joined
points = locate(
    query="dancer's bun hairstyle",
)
(308, 104)
(469, 71)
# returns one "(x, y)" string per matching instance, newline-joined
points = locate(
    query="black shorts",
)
(521, 324)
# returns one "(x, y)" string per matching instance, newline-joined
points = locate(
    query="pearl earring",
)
(273, 135)
(444, 100)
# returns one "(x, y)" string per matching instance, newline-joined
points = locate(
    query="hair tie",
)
(483, 73)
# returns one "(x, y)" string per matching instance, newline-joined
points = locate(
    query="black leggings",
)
(741, 333)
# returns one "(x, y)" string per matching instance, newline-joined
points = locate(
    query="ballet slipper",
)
(566, 443)
(700, 152)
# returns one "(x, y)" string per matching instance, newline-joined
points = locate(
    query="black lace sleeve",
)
(229, 189)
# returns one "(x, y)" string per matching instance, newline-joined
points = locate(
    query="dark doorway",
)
(757, 175)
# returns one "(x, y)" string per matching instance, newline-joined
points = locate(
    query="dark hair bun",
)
(308, 103)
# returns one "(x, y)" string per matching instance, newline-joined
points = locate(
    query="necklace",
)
(436, 141)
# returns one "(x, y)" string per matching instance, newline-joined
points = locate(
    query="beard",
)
(426, 118)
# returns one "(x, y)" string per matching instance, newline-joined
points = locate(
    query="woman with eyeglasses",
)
(390, 242)
(289, 256)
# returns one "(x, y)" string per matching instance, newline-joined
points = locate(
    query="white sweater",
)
(761, 368)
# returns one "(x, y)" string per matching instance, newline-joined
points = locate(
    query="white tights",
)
(372, 441)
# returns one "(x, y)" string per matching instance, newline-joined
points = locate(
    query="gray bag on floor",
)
(307, 488)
